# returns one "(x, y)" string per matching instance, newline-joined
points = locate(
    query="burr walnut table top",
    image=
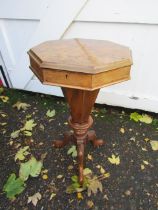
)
(80, 63)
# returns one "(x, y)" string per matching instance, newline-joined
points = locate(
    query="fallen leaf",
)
(44, 171)
(79, 196)
(102, 170)
(3, 115)
(41, 127)
(27, 133)
(3, 124)
(107, 175)
(94, 186)
(144, 149)
(72, 151)
(21, 106)
(4, 98)
(15, 134)
(50, 113)
(128, 192)
(30, 168)
(154, 145)
(135, 116)
(146, 139)
(70, 167)
(52, 196)
(122, 130)
(34, 198)
(11, 143)
(59, 176)
(89, 157)
(145, 162)
(45, 176)
(90, 204)
(29, 125)
(22, 153)
(146, 119)
(114, 160)
(87, 171)
(14, 186)
(142, 167)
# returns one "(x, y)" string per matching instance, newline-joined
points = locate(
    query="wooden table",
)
(80, 67)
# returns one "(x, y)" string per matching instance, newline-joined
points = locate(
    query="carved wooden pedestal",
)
(80, 103)
(81, 67)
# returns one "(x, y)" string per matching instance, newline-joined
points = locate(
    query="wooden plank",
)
(23, 9)
(59, 15)
(124, 11)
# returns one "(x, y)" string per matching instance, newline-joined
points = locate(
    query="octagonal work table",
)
(80, 67)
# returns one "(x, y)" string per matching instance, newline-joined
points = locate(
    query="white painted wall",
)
(24, 23)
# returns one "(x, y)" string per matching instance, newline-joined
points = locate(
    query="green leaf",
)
(87, 171)
(50, 113)
(30, 168)
(72, 151)
(29, 125)
(74, 178)
(13, 186)
(135, 116)
(22, 152)
(15, 134)
(146, 119)
(27, 133)
(19, 105)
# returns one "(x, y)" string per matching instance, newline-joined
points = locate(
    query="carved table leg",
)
(68, 137)
(80, 102)
(80, 155)
(93, 138)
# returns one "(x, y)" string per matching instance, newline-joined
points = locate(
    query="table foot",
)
(68, 137)
(93, 138)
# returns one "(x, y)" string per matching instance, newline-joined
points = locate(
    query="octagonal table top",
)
(80, 63)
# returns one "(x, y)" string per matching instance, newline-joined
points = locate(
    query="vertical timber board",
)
(58, 17)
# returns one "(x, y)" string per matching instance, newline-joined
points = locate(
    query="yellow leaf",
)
(79, 196)
(144, 149)
(59, 176)
(90, 157)
(114, 160)
(154, 145)
(4, 98)
(146, 119)
(45, 171)
(90, 204)
(19, 105)
(106, 175)
(142, 167)
(145, 162)
(45, 176)
(98, 166)
(3, 115)
(52, 196)
(146, 139)
(122, 130)
(102, 171)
